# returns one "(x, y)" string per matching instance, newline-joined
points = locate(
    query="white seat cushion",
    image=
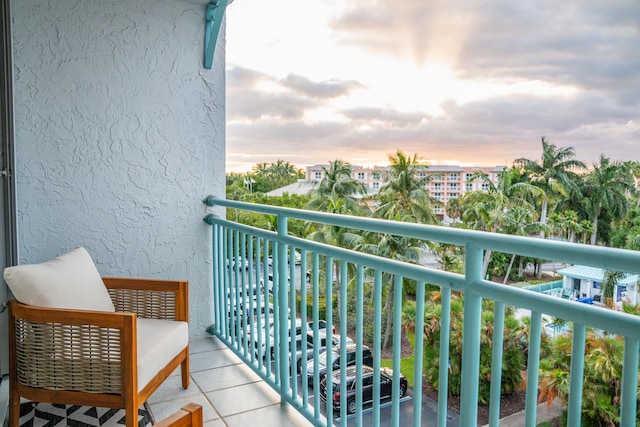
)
(67, 281)
(159, 341)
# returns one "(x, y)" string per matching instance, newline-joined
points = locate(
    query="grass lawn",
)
(406, 364)
(406, 367)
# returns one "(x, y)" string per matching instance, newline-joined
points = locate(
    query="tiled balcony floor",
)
(230, 393)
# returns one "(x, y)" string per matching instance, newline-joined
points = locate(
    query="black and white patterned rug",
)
(35, 414)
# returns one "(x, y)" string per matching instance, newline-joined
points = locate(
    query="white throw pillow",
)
(67, 281)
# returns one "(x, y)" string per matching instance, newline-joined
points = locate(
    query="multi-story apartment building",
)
(373, 177)
(446, 181)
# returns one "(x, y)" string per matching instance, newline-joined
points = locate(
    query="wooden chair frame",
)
(189, 416)
(139, 297)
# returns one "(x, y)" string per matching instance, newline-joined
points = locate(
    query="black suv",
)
(367, 359)
(386, 387)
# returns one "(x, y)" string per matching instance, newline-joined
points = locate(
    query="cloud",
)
(567, 70)
(592, 45)
(319, 90)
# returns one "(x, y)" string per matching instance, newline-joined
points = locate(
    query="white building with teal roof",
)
(583, 282)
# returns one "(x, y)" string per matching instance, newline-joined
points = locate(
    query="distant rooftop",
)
(594, 274)
(301, 187)
(435, 168)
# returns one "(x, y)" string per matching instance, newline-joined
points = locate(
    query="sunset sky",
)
(456, 82)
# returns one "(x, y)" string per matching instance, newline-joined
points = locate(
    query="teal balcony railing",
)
(273, 266)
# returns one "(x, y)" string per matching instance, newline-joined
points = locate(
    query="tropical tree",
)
(608, 286)
(626, 232)
(488, 210)
(602, 377)
(265, 177)
(606, 189)
(402, 197)
(337, 193)
(283, 173)
(554, 172)
(454, 208)
(338, 182)
(449, 257)
(513, 352)
(634, 167)
(519, 221)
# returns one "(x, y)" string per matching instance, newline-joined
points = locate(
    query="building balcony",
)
(239, 379)
(353, 288)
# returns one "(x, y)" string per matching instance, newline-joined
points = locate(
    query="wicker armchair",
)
(98, 358)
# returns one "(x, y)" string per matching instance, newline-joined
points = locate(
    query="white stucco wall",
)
(119, 136)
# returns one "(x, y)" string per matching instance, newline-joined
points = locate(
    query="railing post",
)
(496, 364)
(359, 336)
(329, 319)
(629, 383)
(533, 367)
(218, 278)
(574, 411)
(443, 377)
(283, 324)
(377, 342)
(471, 339)
(419, 345)
(397, 325)
(343, 346)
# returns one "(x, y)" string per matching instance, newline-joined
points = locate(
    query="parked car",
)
(241, 262)
(320, 342)
(386, 387)
(245, 290)
(366, 356)
(249, 308)
(269, 286)
(297, 259)
(322, 325)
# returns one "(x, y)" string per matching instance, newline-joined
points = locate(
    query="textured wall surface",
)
(119, 136)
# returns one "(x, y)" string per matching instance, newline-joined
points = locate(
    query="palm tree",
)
(403, 197)
(453, 208)
(336, 193)
(513, 350)
(487, 210)
(282, 173)
(634, 167)
(608, 285)
(555, 168)
(605, 189)
(338, 182)
(603, 358)
(519, 221)
(568, 223)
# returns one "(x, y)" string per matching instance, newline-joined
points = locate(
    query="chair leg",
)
(131, 405)
(14, 409)
(184, 369)
(131, 417)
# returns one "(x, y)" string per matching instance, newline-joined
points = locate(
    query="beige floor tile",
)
(212, 359)
(270, 416)
(244, 398)
(223, 378)
(162, 410)
(172, 389)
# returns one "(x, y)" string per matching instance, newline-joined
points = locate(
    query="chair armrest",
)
(189, 416)
(81, 350)
(150, 298)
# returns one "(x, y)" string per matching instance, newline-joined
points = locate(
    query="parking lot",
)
(429, 410)
(406, 408)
